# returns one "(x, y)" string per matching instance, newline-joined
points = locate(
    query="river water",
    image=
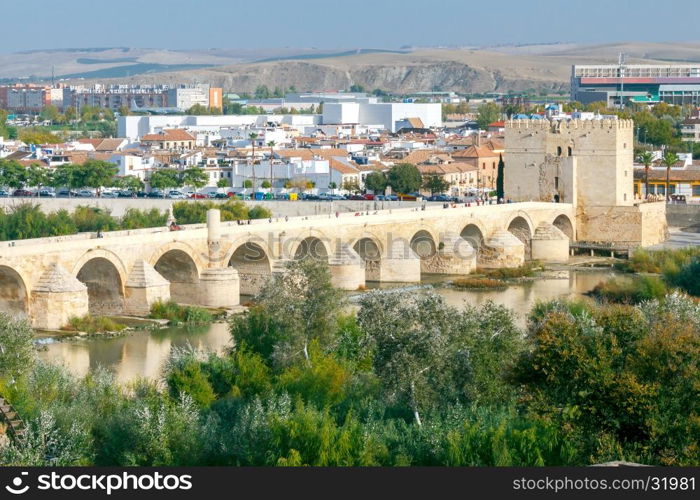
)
(142, 353)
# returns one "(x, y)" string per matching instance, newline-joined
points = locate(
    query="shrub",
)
(91, 219)
(134, 218)
(630, 291)
(527, 269)
(175, 313)
(478, 283)
(688, 277)
(94, 324)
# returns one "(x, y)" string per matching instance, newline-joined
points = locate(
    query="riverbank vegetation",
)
(655, 273)
(94, 324)
(27, 220)
(176, 313)
(526, 270)
(475, 282)
(406, 380)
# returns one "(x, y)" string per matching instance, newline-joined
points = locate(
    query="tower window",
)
(558, 150)
(570, 151)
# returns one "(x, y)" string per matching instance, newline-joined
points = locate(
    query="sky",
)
(199, 24)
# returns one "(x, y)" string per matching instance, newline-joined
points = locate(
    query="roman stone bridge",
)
(49, 280)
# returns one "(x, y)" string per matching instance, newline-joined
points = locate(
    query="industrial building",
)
(615, 84)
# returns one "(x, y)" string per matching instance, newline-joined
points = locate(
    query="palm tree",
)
(668, 160)
(252, 136)
(271, 144)
(646, 158)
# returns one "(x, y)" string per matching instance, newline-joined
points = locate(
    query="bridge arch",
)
(474, 234)
(424, 246)
(253, 264)
(14, 296)
(521, 228)
(181, 270)
(312, 247)
(370, 250)
(563, 223)
(104, 278)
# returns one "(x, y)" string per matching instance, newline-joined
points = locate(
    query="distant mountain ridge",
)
(542, 67)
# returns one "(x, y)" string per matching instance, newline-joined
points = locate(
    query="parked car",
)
(22, 192)
(220, 196)
(110, 194)
(337, 197)
(45, 193)
(440, 197)
(4, 193)
(282, 196)
(125, 194)
(391, 197)
(85, 193)
(141, 194)
(198, 196)
(356, 197)
(324, 197)
(177, 195)
(368, 196)
(156, 194)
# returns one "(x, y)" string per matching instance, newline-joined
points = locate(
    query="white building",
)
(381, 114)
(135, 127)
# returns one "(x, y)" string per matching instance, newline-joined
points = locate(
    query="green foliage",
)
(630, 291)
(165, 178)
(175, 313)
(134, 218)
(500, 191)
(486, 114)
(619, 375)
(404, 178)
(297, 308)
(16, 346)
(435, 183)
(526, 270)
(688, 277)
(184, 375)
(478, 283)
(94, 324)
(665, 262)
(92, 219)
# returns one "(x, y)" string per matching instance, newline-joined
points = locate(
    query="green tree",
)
(222, 183)
(668, 160)
(198, 109)
(435, 183)
(500, 191)
(195, 177)
(38, 177)
(165, 178)
(266, 184)
(16, 347)
(404, 178)
(12, 174)
(66, 176)
(129, 183)
(262, 92)
(271, 145)
(351, 186)
(376, 181)
(247, 184)
(301, 306)
(646, 158)
(356, 87)
(97, 174)
(486, 114)
(50, 113)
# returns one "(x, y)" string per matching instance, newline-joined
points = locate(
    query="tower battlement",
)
(561, 125)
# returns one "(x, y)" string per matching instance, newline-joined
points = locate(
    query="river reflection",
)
(143, 353)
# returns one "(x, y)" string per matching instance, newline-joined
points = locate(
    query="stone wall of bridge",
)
(124, 272)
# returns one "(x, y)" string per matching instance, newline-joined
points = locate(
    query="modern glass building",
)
(645, 83)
